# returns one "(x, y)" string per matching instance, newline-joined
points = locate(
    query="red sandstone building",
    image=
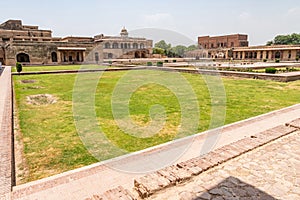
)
(237, 47)
(226, 41)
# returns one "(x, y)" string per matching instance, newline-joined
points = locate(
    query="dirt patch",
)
(33, 87)
(41, 99)
(28, 81)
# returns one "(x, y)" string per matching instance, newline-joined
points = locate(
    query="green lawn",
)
(51, 142)
(54, 68)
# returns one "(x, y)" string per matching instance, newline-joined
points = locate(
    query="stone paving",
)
(153, 182)
(265, 166)
(269, 172)
(6, 162)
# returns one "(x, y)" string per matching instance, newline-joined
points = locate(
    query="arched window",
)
(54, 57)
(110, 56)
(135, 46)
(125, 45)
(122, 46)
(128, 45)
(115, 45)
(142, 46)
(23, 57)
(107, 45)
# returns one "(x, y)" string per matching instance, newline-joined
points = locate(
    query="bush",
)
(159, 64)
(149, 63)
(271, 70)
(277, 60)
(174, 61)
(19, 67)
(265, 60)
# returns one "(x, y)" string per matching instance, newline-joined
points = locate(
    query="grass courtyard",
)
(51, 142)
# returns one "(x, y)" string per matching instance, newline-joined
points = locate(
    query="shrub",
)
(149, 63)
(19, 67)
(174, 60)
(277, 60)
(271, 70)
(265, 60)
(159, 64)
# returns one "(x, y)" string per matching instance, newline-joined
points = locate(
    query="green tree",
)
(178, 51)
(158, 51)
(192, 47)
(163, 45)
(285, 39)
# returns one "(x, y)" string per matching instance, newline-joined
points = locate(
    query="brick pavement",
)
(6, 168)
(269, 172)
(241, 170)
(157, 181)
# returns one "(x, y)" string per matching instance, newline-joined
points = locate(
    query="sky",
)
(262, 20)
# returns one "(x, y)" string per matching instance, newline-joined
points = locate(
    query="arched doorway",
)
(110, 56)
(143, 55)
(97, 57)
(23, 57)
(136, 55)
(54, 57)
(277, 55)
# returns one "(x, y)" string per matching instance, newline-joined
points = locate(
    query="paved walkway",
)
(6, 179)
(269, 172)
(101, 177)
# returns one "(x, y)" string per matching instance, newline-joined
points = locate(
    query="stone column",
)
(244, 55)
(258, 55)
(83, 56)
(58, 56)
(264, 54)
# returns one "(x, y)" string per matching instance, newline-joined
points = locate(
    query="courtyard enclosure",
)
(52, 145)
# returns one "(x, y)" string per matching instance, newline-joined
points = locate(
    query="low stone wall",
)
(263, 76)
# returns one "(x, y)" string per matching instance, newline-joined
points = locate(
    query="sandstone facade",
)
(31, 45)
(236, 47)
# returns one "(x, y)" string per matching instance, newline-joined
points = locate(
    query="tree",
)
(158, 51)
(19, 67)
(285, 39)
(163, 45)
(179, 50)
(192, 47)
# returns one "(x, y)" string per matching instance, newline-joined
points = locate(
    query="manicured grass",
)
(53, 68)
(52, 145)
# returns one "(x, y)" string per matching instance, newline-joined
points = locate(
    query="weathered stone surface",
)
(294, 123)
(252, 175)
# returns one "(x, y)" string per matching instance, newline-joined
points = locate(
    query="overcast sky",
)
(260, 19)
